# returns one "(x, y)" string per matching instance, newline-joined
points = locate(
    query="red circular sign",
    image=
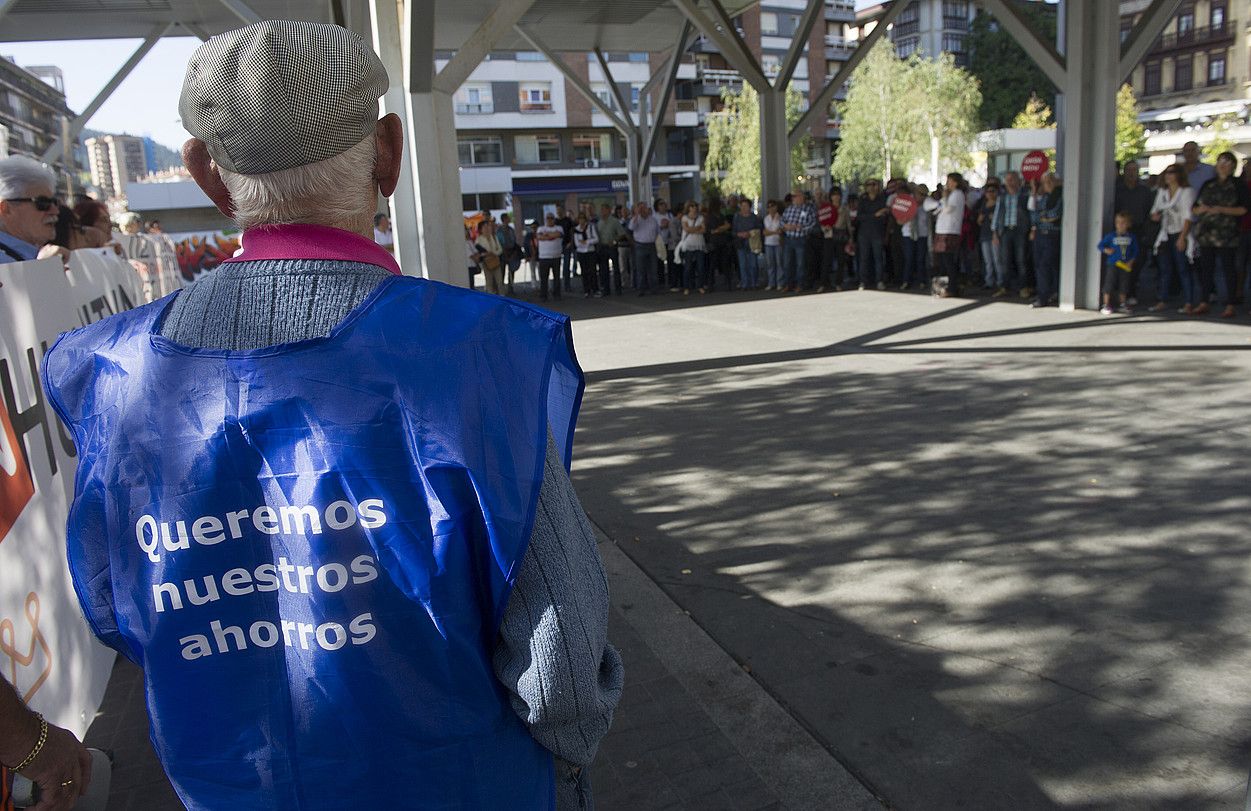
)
(1034, 165)
(903, 208)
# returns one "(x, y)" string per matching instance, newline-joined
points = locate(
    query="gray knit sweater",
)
(552, 654)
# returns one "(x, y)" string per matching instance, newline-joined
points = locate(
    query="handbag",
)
(491, 261)
(754, 241)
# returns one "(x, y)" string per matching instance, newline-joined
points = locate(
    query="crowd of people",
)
(1189, 227)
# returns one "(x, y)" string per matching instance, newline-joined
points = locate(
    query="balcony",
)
(1196, 37)
(839, 47)
(719, 77)
(840, 11)
(905, 29)
(955, 24)
(485, 108)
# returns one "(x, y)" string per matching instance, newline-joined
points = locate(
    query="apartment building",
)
(929, 26)
(529, 141)
(115, 161)
(32, 109)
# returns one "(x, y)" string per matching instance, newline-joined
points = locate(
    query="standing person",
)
(871, 214)
(748, 228)
(1172, 210)
(28, 211)
(798, 219)
(551, 242)
(611, 232)
(827, 216)
(490, 258)
(1048, 212)
(665, 263)
(566, 248)
(915, 233)
(719, 241)
(471, 255)
(1011, 227)
(382, 232)
(1219, 204)
(985, 210)
(625, 255)
(692, 248)
(586, 245)
(507, 235)
(1120, 249)
(645, 226)
(1197, 172)
(1135, 198)
(841, 235)
(948, 229)
(773, 246)
(414, 435)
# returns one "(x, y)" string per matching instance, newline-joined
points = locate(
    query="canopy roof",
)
(566, 25)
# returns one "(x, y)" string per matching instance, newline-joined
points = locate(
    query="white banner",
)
(47, 650)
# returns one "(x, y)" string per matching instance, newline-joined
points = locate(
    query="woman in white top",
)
(1172, 211)
(947, 231)
(773, 246)
(490, 257)
(692, 247)
(586, 246)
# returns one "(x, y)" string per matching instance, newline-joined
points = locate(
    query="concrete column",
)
(1092, 36)
(436, 171)
(775, 150)
(640, 180)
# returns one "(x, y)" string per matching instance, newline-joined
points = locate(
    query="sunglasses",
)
(41, 203)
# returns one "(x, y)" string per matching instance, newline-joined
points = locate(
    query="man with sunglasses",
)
(28, 211)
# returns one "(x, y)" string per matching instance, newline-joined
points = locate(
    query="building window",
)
(1216, 69)
(478, 151)
(604, 94)
(1183, 73)
(1185, 23)
(1127, 25)
(953, 43)
(635, 91)
(637, 56)
(530, 56)
(535, 97)
(474, 99)
(769, 23)
(771, 64)
(592, 146)
(906, 47)
(1217, 18)
(911, 14)
(537, 148)
(1151, 79)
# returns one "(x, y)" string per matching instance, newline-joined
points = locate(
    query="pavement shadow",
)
(974, 583)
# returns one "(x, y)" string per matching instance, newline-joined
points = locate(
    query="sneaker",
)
(1229, 312)
(675, 289)
(881, 285)
(1131, 301)
(1036, 305)
(838, 289)
(1000, 293)
(1158, 307)
(1026, 292)
(1125, 308)
(820, 289)
(1200, 309)
(861, 287)
(1185, 309)
(598, 294)
(1105, 310)
(903, 287)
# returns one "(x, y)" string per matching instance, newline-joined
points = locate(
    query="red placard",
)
(904, 207)
(16, 487)
(1034, 165)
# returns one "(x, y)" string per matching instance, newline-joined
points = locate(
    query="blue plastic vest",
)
(309, 547)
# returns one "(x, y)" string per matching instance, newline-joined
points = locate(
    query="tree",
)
(1007, 76)
(1131, 138)
(1035, 115)
(880, 132)
(1221, 142)
(732, 163)
(947, 100)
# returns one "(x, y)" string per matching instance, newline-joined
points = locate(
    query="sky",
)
(145, 104)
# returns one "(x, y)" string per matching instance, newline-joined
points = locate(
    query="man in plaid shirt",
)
(798, 220)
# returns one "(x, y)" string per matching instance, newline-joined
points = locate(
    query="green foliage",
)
(1131, 138)
(732, 163)
(1006, 75)
(897, 109)
(1221, 142)
(1036, 115)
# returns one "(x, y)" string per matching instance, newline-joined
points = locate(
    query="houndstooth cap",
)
(279, 94)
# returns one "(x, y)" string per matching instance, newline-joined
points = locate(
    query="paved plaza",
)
(881, 550)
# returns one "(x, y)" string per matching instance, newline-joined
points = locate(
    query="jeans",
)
(1047, 265)
(1012, 256)
(992, 264)
(1170, 261)
(549, 267)
(872, 256)
(1210, 259)
(773, 265)
(748, 265)
(566, 267)
(794, 254)
(625, 262)
(608, 255)
(645, 259)
(692, 268)
(587, 265)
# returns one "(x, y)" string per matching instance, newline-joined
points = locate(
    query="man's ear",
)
(196, 158)
(389, 141)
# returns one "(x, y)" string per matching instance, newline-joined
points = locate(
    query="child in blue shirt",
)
(1120, 249)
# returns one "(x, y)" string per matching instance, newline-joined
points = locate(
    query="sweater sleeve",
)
(553, 655)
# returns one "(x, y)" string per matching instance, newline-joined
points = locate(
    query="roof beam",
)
(666, 94)
(800, 38)
(622, 104)
(80, 121)
(5, 5)
(1144, 34)
(241, 10)
(821, 105)
(418, 23)
(1043, 53)
(468, 56)
(195, 31)
(574, 79)
(721, 31)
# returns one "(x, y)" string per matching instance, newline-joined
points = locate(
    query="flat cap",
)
(279, 94)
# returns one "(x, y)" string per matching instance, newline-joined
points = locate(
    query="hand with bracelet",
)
(47, 755)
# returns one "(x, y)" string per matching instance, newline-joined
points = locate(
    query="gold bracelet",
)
(34, 753)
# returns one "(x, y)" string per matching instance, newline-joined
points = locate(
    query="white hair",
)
(338, 192)
(20, 174)
(129, 218)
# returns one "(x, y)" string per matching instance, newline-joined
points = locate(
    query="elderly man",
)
(1010, 227)
(645, 226)
(28, 210)
(326, 507)
(797, 220)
